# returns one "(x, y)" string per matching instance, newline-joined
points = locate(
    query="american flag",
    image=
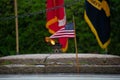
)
(67, 31)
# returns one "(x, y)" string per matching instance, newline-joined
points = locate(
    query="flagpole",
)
(76, 49)
(16, 24)
(106, 50)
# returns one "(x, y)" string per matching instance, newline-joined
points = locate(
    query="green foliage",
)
(32, 31)
(7, 33)
(114, 47)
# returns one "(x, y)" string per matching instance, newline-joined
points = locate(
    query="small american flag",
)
(67, 31)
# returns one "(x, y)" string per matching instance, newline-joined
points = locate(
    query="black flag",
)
(97, 16)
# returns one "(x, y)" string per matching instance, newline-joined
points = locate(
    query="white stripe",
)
(62, 22)
(68, 36)
(64, 34)
(61, 30)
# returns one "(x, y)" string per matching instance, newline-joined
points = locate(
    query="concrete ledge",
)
(61, 58)
(59, 63)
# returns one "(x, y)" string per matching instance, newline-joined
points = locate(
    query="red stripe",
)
(63, 33)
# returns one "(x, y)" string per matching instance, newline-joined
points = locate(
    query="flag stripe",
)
(62, 36)
(65, 32)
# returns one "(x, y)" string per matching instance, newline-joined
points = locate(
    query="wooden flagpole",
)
(76, 49)
(106, 51)
(16, 24)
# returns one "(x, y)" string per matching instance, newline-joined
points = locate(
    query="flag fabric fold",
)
(56, 19)
(97, 16)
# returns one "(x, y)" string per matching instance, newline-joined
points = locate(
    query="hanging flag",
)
(56, 19)
(51, 15)
(67, 31)
(97, 15)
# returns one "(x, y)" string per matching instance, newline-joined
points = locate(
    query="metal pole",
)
(16, 24)
(76, 49)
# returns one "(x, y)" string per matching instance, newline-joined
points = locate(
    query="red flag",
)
(52, 20)
(56, 19)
